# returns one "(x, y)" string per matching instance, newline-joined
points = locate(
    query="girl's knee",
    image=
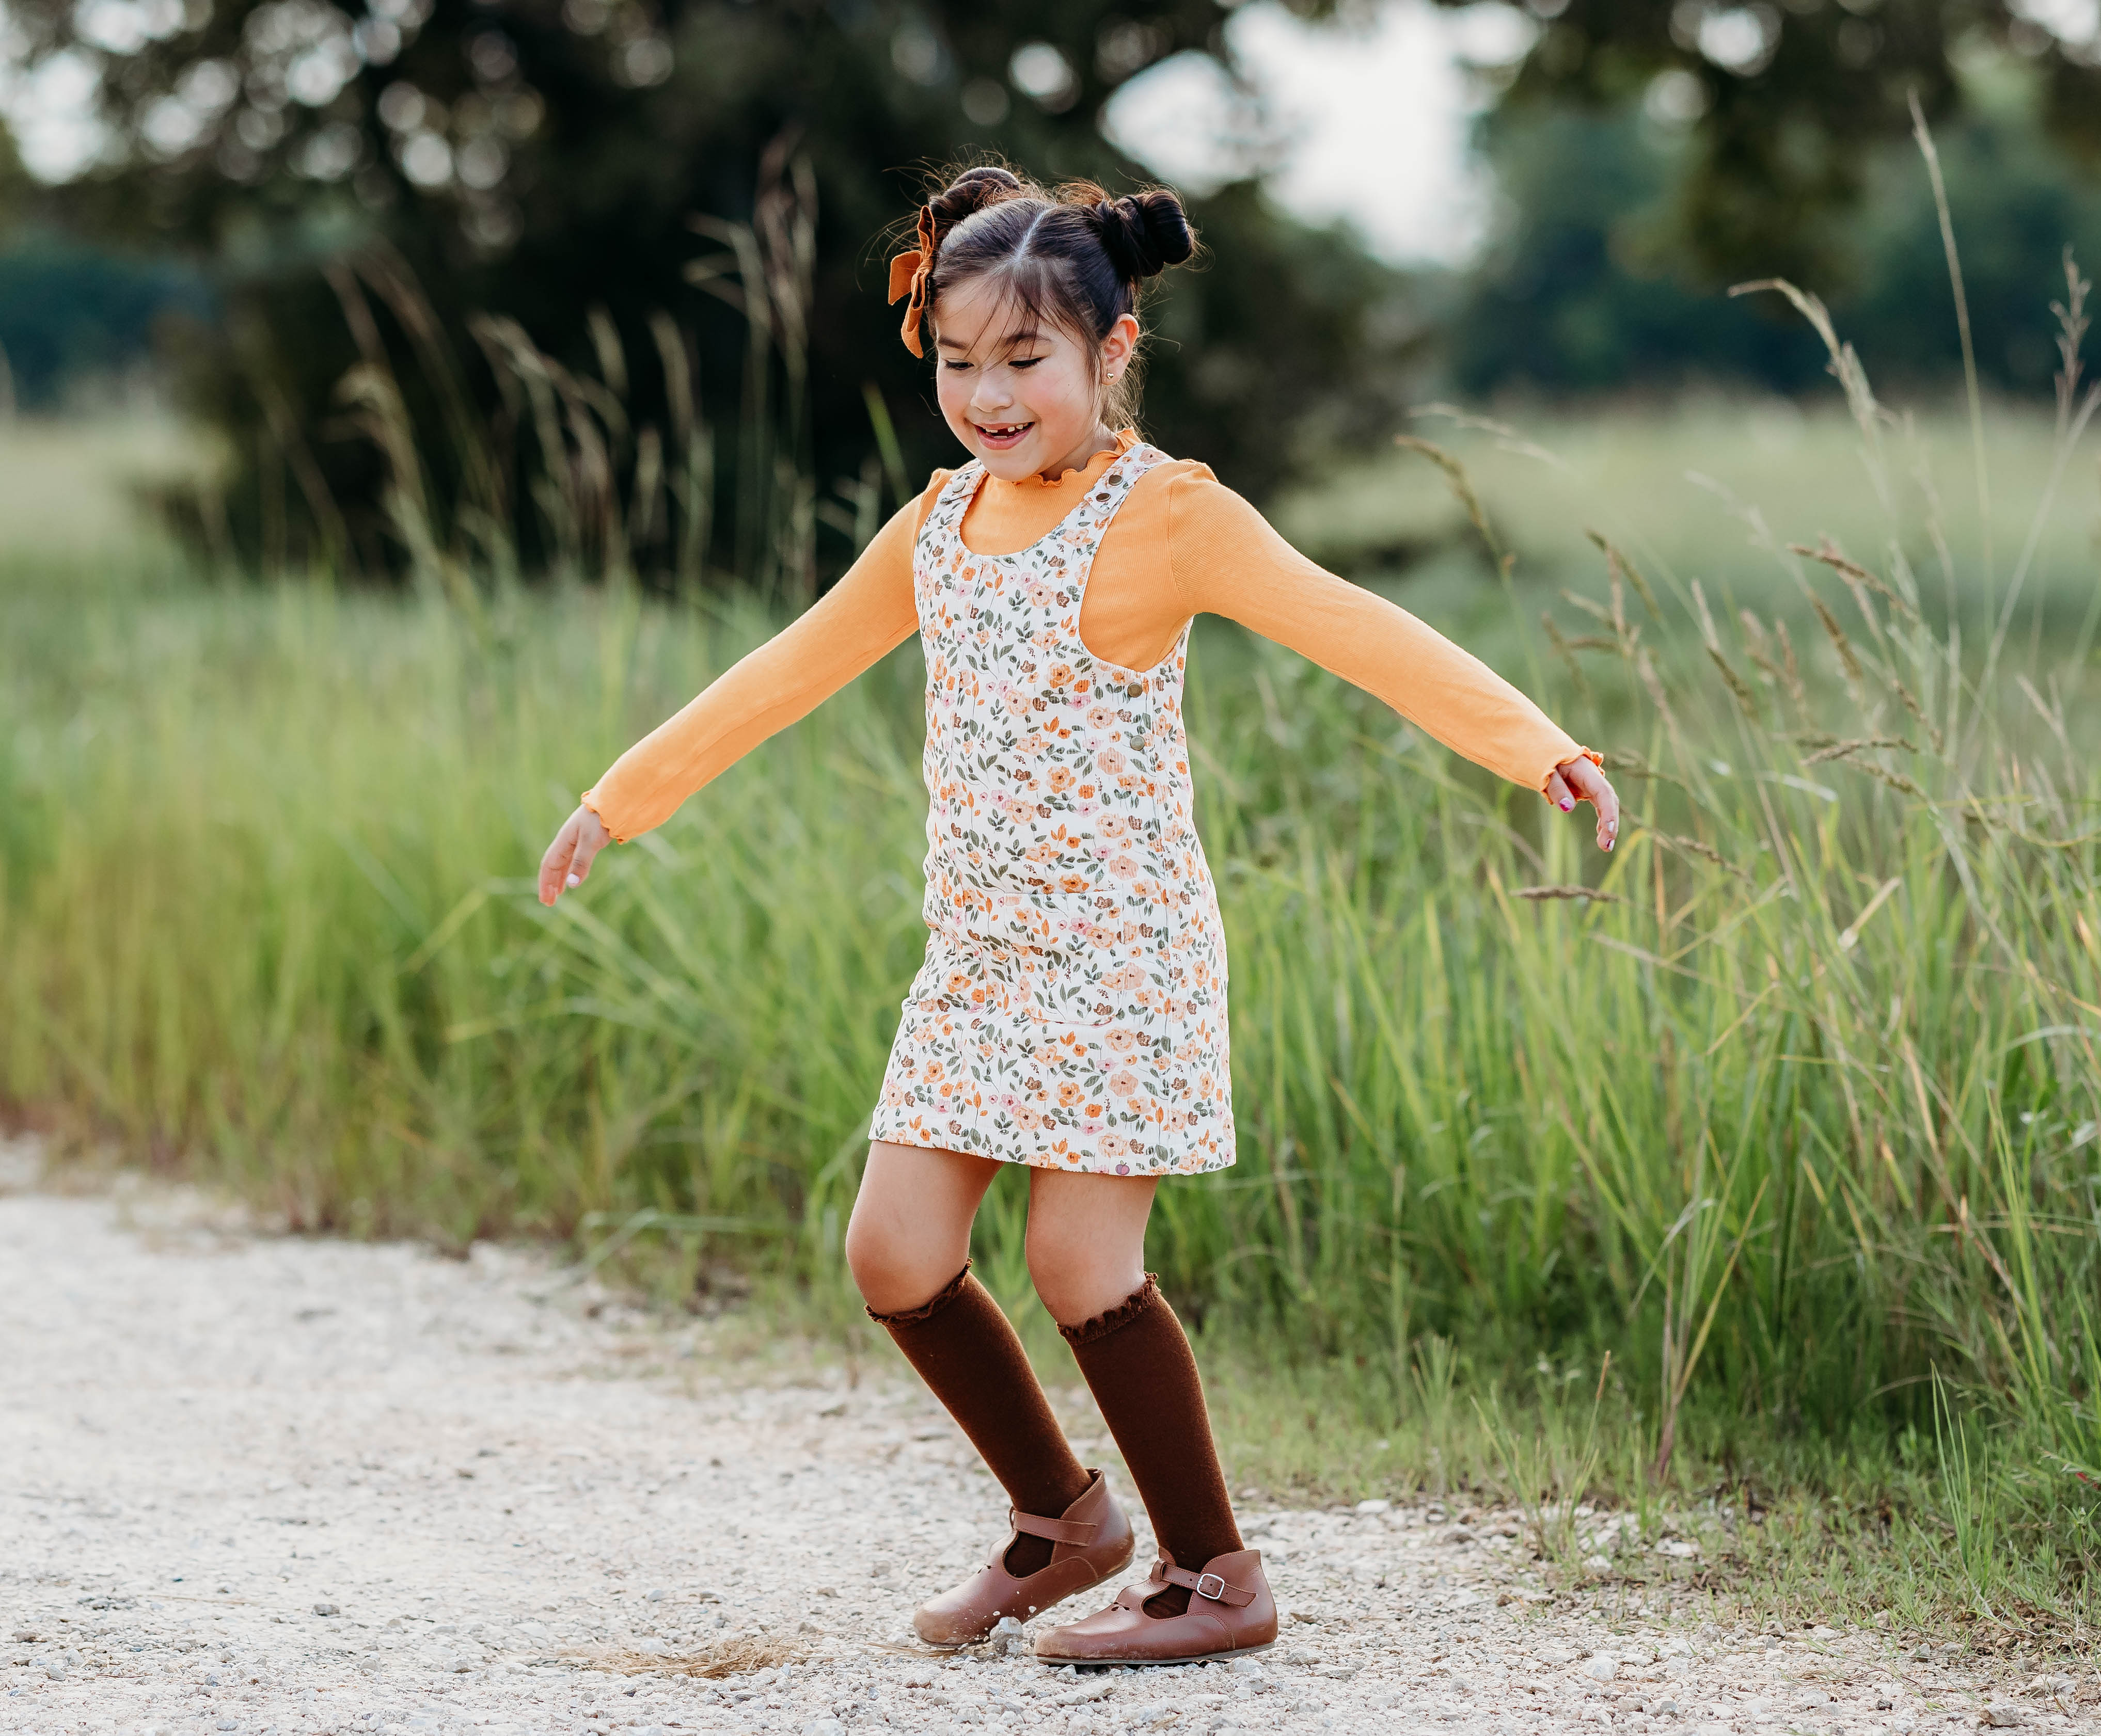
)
(871, 1256)
(893, 1274)
(1053, 1253)
(1076, 1279)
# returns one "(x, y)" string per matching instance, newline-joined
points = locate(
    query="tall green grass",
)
(1789, 1105)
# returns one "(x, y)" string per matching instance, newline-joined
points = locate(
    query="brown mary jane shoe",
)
(1090, 1541)
(1230, 1611)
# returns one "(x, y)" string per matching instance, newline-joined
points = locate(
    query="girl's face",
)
(1023, 395)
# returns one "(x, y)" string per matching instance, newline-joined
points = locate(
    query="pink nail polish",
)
(1567, 805)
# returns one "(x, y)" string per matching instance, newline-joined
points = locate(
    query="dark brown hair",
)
(1071, 255)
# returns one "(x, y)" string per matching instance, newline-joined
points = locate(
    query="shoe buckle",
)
(1210, 1585)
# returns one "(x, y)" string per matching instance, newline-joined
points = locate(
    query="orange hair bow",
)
(908, 272)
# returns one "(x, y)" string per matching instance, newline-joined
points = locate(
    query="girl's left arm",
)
(1227, 559)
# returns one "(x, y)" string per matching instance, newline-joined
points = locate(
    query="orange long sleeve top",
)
(1182, 544)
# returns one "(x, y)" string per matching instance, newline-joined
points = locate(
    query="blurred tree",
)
(76, 319)
(1582, 289)
(540, 159)
(1783, 103)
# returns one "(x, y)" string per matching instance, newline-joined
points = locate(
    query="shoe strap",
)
(1078, 1532)
(1203, 1584)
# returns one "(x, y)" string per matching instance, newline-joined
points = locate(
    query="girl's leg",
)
(910, 1231)
(1086, 1253)
(908, 1244)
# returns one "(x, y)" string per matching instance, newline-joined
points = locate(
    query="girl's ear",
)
(1118, 347)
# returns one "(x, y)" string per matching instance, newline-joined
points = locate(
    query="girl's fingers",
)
(1579, 780)
(1591, 785)
(555, 867)
(568, 863)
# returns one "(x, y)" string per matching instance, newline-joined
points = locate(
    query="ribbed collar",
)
(1073, 482)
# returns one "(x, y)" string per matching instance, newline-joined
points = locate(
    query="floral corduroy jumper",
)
(1071, 1013)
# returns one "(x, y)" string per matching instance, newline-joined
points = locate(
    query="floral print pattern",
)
(1071, 1013)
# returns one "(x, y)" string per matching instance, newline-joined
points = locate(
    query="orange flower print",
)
(1066, 891)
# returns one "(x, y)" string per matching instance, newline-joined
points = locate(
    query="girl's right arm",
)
(866, 615)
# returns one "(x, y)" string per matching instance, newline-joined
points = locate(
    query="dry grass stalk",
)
(1566, 651)
(1617, 562)
(1704, 852)
(1462, 491)
(1856, 576)
(1847, 749)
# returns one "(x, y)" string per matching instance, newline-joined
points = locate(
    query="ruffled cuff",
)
(1110, 1320)
(928, 1309)
(590, 800)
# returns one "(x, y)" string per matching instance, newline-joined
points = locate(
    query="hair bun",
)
(970, 193)
(1146, 233)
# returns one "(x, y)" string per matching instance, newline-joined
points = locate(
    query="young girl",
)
(1070, 1014)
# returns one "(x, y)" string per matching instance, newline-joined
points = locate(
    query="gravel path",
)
(251, 1484)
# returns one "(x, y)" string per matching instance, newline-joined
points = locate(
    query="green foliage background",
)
(1587, 288)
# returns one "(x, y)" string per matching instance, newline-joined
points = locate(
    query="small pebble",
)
(326, 1609)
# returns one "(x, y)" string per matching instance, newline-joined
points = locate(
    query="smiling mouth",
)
(1003, 434)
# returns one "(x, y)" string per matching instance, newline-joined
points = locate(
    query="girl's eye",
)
(1027, 361)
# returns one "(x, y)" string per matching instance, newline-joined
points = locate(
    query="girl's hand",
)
(568, 859)
(1579, 780)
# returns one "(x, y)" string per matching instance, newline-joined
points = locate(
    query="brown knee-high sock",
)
(1137, 1364)
(966, 1349)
